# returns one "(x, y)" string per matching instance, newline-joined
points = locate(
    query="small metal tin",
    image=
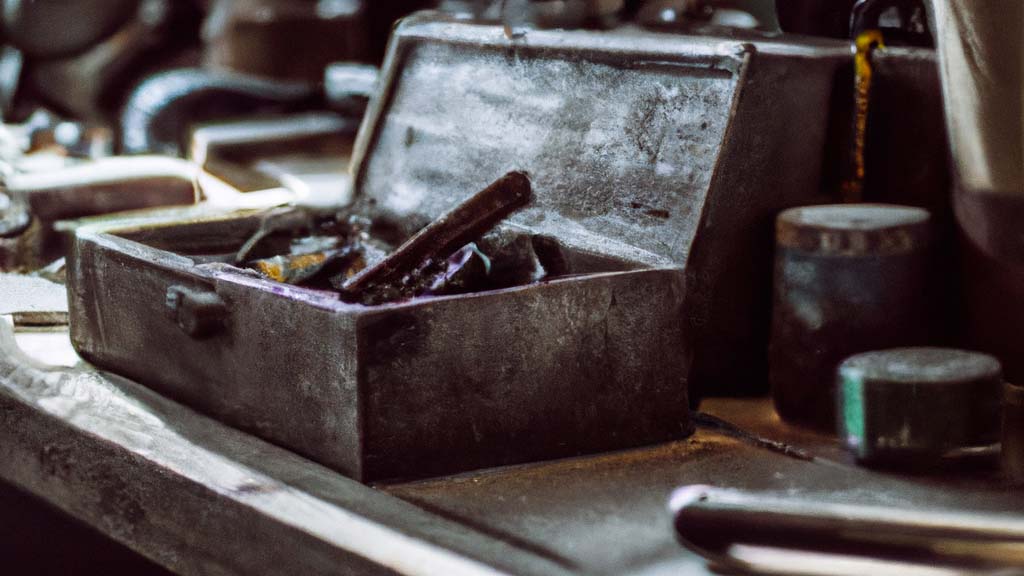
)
(848, 278)
(918, 405)
(1013, 433)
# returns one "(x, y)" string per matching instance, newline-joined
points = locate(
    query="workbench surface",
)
(198, 497)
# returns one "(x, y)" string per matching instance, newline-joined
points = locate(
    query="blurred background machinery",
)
(187, 112)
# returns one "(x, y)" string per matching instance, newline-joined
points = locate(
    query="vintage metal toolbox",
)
(657, 163)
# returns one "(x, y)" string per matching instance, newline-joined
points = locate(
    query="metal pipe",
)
(712, 519)
(980, 47)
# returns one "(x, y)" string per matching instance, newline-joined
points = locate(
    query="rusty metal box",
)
(657, 164)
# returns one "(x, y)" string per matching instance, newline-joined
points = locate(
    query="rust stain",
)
(866, 43)
(356, 267)
(304, 261)
(271, 269)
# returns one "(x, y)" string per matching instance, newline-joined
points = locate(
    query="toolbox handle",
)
(199, 313)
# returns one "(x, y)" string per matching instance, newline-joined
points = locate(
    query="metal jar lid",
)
(918, 405)
(853, 229)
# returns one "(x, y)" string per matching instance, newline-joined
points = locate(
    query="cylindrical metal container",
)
(981, 65)
(916, 406)
(1013, 433)
(848, 278)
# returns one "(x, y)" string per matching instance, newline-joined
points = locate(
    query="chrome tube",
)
(980, 47)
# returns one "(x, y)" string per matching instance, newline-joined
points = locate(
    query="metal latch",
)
(200, 314)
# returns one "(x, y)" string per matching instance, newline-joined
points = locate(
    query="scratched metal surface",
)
(606, 514)
(620, 150)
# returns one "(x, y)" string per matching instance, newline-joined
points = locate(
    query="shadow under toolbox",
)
(653, 157)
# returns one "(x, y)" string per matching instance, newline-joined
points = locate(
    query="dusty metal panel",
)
(620, 146)
(560, 369)
(300, 392)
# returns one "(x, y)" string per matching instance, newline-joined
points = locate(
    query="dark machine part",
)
(848, 278)
(979, 47)
(56, 28)
(517, 16)
(1013, 433)
(160, 113)
(689, 15)
(905, 154)
(381, 17)
(31, 249)
(104, 186)
(85, 62)
(465, 223)
(913, 407)
(306, 153)
(283, 39)
(91, 85)
(829, 18)
(900, 22)
(39, 200)
(598, 14)
(700, 16)
(711, 519)
(124, 77)
(15, 217)
(247, 72)
(12, 61)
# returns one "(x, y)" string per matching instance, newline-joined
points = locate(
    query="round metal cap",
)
(853, 229)
(916, 405)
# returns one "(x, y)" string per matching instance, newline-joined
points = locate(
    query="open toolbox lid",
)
(663, 149)
(620, 133)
